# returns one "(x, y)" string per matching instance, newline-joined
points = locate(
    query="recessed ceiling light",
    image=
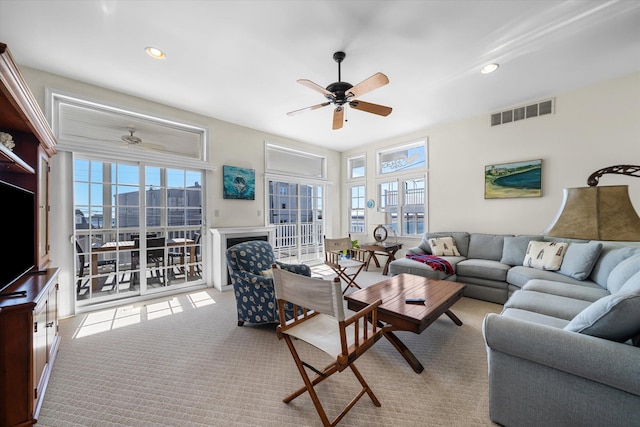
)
(155, 53)
(489, 68)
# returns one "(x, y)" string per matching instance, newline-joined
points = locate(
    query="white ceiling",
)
(238, 61)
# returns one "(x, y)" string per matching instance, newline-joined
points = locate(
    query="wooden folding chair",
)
(321, 322)
(346, 267)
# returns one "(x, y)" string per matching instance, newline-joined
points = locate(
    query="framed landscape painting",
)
(518, 179)
(239, 183)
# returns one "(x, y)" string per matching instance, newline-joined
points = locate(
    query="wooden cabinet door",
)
(39, 345)
(52, 320)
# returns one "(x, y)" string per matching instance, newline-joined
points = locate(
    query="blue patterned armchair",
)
(255, 296)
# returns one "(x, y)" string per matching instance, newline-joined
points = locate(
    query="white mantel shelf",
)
(220, 237)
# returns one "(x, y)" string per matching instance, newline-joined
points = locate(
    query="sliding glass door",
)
(137, 229)
(295, 209)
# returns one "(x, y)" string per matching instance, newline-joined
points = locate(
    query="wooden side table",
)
(387, 249)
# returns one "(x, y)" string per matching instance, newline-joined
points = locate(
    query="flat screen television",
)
(18, 225)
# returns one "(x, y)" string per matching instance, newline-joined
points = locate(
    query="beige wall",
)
(229, 144)
(594, 127)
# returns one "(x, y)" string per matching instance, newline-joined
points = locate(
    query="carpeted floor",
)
(183, 361)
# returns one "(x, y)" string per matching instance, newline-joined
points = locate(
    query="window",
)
(295, 209)
(409, 157)
(115, 204)
(356, 217)
(282, 160)
(294, 180)
(406, 206)
(83, 126)
(357, 167)
(403, 195)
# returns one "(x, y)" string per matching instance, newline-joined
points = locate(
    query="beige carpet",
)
(182, 361)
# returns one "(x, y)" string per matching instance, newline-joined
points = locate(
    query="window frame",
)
(363, 208)
(401, 159)
(349, 165)
(111, 199)
(400, 178)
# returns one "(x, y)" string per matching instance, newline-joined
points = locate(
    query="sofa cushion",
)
(530, 316)
(486, 246)
(622, 272)
(519, 275)
(483, 269)
(461, 238)
(611, 255)
(515, 247)
(587, 291)
(580, 259)
(547, 304)
(409, 266)
(615, 317)
(545, 255)
(631, 285)
(443, 246)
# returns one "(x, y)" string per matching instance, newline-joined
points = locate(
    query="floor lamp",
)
(598, 213)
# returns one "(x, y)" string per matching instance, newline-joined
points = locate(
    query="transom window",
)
(400, 159)
(402, 187)
(357, 167)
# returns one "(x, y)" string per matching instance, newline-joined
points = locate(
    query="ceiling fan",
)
(342, 93)
(134, 141)
(129, 141)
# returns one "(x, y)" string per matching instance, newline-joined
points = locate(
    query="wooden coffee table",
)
(439, 296)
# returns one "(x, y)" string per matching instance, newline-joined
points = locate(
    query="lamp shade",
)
(596, 213)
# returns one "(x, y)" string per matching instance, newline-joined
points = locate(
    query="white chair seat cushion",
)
(322, 332)
(349, 263)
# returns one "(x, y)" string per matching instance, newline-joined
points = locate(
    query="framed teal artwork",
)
(239, 183)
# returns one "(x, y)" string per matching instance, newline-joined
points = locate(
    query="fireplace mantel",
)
(220, 239)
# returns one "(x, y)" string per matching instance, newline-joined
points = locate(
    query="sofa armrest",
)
(415, 251)
(241, 278)
(607, 362)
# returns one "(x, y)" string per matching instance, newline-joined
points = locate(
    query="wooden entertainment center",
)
(29, 336)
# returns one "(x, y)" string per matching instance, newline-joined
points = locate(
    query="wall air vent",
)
(523, 112)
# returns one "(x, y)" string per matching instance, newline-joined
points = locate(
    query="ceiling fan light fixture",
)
(342, 93)
(154, 52)
(489, 68)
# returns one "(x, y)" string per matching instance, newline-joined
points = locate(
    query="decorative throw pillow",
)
(514, 249)
(580, 259)
(545, 255)
(615, 317)
(443, 246)
(267, 273)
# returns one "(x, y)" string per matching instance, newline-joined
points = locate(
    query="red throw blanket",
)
(434, 262)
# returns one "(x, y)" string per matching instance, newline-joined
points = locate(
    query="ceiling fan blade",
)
(367, 85)
(338, 116)
(380, 110)
(302, 110)
(316, 87)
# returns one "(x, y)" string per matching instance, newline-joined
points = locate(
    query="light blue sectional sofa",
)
(565, 349)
